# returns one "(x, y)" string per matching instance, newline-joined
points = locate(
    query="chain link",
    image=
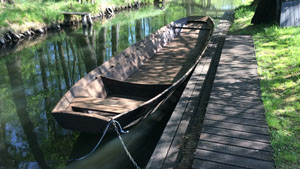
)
(124, 146)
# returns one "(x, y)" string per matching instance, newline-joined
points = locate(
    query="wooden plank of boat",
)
(197, 19)
(172, 61)
(192, 28)
(152, 72)
(117, 104)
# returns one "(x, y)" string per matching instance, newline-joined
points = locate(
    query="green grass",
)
(25, 14)
(278, 57)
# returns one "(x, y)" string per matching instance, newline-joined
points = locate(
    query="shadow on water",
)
(37, 73)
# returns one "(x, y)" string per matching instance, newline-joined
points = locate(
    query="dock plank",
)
(234, 160)
(237, 127)
(244, 114)
(231, 106)
(236, 120)
(239, 108)
(236, 98)
(236, 134)
(235, 150)
(205, 164)
(236, 142)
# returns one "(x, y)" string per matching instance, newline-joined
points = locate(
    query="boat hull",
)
(90, 123)
(109, 80)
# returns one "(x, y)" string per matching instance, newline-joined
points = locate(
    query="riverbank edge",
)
(12, 38)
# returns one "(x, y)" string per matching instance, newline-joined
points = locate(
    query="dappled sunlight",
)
(171, 62)
(234, 131)
(100, 106)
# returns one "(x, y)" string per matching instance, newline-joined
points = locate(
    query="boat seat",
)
(108, 106)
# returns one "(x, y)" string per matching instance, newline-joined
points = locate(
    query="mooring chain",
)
(117, 128)
(123, 144)
(95, 148)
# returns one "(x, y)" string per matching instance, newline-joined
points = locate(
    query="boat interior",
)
(119, 97)
(110, 97)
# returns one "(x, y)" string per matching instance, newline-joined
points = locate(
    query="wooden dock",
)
(234, 133)
(86, 18)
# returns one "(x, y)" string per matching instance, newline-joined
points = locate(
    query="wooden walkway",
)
(168, 149)
(234, 133)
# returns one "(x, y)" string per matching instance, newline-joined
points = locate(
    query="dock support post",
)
(84, 20)
(89, 19)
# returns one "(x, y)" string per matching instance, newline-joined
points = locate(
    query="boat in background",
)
(132, 85)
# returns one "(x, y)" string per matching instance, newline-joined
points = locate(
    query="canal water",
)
(35, 75)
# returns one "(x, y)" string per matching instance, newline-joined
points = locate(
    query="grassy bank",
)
(25, 14)
(278, 57)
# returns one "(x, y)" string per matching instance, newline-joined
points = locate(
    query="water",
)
(38, 72)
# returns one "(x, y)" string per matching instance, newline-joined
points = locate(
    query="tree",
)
(267, 11)
(91, 1)
(8, 1)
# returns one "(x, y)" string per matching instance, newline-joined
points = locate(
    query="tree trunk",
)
(11, 1)
(255, 2)
(265, 12)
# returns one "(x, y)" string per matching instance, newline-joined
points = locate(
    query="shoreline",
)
(12, 38)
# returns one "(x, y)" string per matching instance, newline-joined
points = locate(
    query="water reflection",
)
(35, 75)
(13, 66)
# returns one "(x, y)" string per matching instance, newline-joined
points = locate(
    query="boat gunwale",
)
(92, 115)
(170, 87)
(107, 63)
(105, 67)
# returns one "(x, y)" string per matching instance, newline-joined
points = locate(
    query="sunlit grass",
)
(25, 14)
(278, 57)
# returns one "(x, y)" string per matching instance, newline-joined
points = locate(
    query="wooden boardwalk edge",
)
(170, 143)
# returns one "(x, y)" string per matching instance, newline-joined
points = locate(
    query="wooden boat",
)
(132, 85)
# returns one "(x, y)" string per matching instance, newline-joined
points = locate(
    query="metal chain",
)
(95, 148)
(123, 144)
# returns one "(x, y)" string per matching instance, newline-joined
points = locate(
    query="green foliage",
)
(131, 16)
(25, 14)
(277, 51)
